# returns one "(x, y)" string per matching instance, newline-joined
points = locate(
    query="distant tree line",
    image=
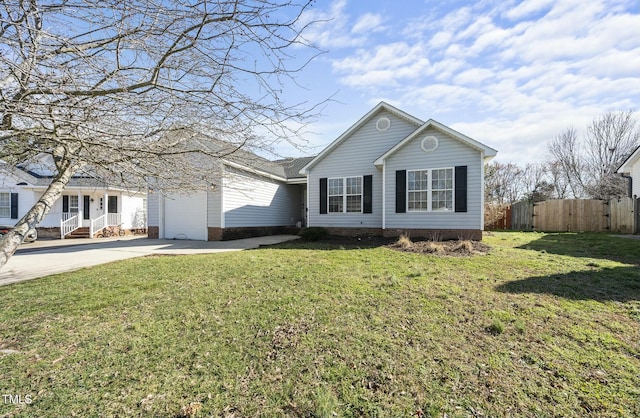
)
(580, 168)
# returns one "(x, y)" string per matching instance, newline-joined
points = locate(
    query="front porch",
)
(73, 225)
(91, 214)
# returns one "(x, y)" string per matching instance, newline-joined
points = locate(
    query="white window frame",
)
(420, 191)
(344, 194)
(77, 206)
(446, 189)
(430, 190)
(7, 207)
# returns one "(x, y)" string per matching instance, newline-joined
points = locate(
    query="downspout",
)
(384, 196)
(482, 191)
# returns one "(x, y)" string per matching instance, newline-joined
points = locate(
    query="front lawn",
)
(544, 325)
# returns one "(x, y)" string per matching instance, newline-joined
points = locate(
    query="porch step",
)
(79, 233)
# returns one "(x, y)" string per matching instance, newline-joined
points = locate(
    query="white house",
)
(631, 168)
(87, 204)
(387, 174)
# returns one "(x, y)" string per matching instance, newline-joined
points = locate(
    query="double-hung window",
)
(5, 205)
(344, 194)
(418, 189)
(430, 190)
(336, 195)
(442, 189)
(354, 194)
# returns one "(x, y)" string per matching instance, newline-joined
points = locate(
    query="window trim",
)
(8, 193)
(430, 191)
(344, 194)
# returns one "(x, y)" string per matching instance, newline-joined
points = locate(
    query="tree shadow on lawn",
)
(620, 284)
(591, 245)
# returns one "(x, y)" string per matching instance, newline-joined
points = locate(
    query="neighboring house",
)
(631, 168)
(87, 204)
(389, 173)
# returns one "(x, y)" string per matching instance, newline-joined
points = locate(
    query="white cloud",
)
(368, 22)
(330, 29)
(511, 74)
(386, 64)
(527, 8)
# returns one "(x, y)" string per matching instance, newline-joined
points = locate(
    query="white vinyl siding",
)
(153, 216)
(354, 157)
(251, 200)
(449, 154)
(214, 207)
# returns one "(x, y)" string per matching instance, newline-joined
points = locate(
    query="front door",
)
(86, 208)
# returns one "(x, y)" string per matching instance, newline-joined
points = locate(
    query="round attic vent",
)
(383, 124)
(429, 143)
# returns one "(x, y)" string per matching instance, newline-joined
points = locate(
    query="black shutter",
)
(323, 195)
(65, 204)
(367, 198)
(461, 188)
(401, 191)
(14, 205)
(85, 208)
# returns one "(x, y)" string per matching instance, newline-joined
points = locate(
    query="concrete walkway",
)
(44, 258)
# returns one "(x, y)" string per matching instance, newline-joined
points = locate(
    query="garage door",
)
(185, 216)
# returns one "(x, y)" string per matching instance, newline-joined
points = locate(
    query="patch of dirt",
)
(445, 248)
(457, 248)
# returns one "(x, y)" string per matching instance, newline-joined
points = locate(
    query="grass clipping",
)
(441, 248)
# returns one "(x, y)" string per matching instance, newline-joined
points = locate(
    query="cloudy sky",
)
(507, 73)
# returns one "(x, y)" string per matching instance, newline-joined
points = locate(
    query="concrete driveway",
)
(44, 258)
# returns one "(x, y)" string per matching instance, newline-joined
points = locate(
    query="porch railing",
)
(114, 219)
(101, 222)
(97, 224)
(68, 225)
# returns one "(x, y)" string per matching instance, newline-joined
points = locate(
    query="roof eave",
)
(627, 165)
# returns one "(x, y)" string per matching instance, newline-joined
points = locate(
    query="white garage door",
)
(185, 216)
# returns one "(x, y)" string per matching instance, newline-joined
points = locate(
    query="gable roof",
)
(488, 151)
(625, 167)
(380, 106)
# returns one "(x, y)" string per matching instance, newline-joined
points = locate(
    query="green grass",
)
(545, 325)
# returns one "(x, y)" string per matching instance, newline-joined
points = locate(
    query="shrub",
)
(404, 241)
(313, 233)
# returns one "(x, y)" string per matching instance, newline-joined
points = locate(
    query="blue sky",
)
(509, 74)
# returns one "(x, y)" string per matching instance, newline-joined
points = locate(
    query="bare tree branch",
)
(147, 91)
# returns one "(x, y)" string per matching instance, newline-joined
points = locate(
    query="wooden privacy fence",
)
(578, 215)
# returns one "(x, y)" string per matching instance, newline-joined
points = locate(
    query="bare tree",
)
(610, 140)
(503, 182)
(568, 161)
(589, 166)
(139, 91)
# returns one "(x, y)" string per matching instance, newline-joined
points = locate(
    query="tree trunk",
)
(10, 242)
